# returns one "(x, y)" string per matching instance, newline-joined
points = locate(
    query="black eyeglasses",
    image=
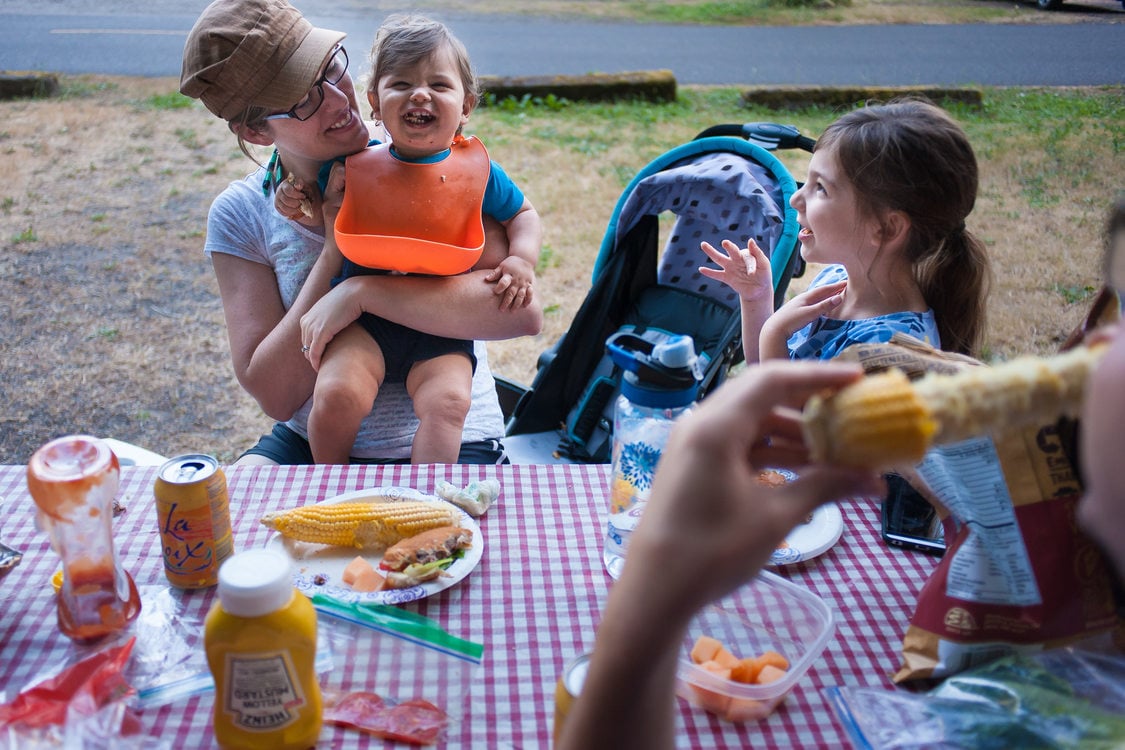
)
(307, 107)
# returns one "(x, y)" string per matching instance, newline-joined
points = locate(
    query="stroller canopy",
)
(719, 188)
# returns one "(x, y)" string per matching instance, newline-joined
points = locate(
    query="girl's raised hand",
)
(745, 270)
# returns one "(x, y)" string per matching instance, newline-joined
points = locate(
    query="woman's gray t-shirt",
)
(243, 222)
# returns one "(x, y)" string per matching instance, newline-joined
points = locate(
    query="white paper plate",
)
(319, 568)
(811, 539)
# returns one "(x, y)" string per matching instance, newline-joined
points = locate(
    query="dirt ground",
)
(112, 316)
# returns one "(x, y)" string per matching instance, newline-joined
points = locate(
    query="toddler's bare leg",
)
(441, 389)
(350, 374)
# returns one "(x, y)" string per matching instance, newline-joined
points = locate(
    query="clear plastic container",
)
(767, 614)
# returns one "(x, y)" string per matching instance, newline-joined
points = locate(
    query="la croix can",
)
(567, 689)
(193, 510)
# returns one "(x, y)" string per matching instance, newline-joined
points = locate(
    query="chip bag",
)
(1018, 573)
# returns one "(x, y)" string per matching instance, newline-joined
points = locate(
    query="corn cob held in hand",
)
(363, 524)
(884, 420)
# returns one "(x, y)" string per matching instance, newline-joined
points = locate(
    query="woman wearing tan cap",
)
(278, 81)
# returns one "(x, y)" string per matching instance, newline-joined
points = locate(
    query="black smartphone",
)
(909, 520)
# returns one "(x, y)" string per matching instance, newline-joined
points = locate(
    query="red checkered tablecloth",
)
(534, 601)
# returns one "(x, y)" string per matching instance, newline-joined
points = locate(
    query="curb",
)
(645, 85)
(660, 86)
(19, 84)
(798, 97)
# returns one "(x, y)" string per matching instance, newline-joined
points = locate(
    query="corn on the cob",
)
(362, 524)
(883, 420)
(864, 423)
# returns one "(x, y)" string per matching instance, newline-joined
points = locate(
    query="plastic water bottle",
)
(660, 383)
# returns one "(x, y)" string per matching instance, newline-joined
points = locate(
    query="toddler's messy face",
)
(422, 106)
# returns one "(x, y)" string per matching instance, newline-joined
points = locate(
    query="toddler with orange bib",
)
(415, 206)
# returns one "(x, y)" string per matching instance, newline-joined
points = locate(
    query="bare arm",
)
(265, 339)
(710, 514)
(455, 306)
(525, 234)
(796, 314)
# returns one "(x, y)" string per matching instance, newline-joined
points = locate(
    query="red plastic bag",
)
(86, 687)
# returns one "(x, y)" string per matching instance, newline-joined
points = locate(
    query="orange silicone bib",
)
(414, 218)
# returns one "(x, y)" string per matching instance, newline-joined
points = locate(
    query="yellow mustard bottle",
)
(260, 638)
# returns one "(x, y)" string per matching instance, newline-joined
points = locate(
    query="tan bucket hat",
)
(253, 52)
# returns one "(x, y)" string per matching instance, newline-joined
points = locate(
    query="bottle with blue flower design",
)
(660, 383)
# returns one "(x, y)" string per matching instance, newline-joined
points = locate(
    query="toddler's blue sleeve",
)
(326, 167)
(502, 198)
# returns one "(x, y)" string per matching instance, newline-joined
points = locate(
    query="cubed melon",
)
(746, 670)
(725, 658)
(705, 649)
(717, 668)
(774, 659)
(362, 576)
(769, 673)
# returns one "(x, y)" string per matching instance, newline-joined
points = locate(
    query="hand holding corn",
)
(885, 420)
(365, 524)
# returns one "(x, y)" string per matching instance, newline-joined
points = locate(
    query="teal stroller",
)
(724, 184)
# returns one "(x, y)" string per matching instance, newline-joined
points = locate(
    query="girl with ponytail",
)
(888, 191)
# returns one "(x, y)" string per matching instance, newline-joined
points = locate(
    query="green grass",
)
(27, 235)
(1057, 125)
(762, 12)
(79, 87)
(188, 138)
(772, 12)
(547, 259)
(1073, 294)
(172, 100)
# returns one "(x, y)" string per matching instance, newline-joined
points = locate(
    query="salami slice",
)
(415, 721)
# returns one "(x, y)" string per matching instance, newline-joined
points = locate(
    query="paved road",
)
(120, 40)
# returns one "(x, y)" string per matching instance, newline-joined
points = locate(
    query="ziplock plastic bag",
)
(396, 653)
(398, 675)
(83, 706)
(1066, 698)
(169, 650)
